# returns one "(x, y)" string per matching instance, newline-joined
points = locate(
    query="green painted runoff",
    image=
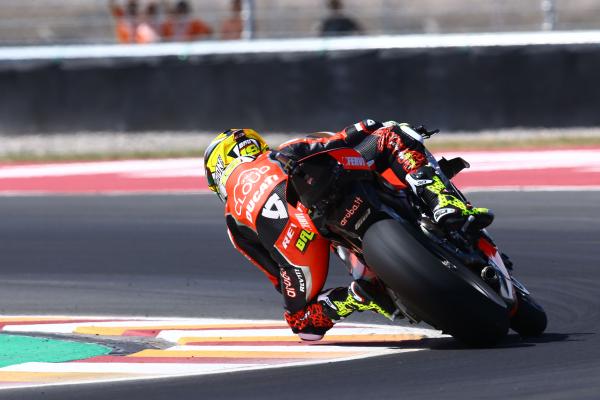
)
(16, 349)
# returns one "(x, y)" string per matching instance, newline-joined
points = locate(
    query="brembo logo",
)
(351, 211)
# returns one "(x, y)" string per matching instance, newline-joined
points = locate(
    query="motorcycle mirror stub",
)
(411, 132)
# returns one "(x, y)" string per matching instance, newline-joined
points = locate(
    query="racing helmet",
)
(227, 151)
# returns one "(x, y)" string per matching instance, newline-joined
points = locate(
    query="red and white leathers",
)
(281, 240)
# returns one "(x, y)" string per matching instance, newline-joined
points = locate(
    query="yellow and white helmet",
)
(228, 150)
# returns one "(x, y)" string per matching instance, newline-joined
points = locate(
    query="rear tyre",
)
(530, 319)
(443, 293)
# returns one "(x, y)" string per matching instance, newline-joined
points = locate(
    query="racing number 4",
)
(274, 208)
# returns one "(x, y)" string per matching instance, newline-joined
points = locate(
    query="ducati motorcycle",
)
(457, 281)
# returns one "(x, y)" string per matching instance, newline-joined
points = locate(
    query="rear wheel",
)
(443, 293)
(530, 318)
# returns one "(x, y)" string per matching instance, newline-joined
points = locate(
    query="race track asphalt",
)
(169, 256)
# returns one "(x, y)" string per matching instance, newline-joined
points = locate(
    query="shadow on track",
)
(511, 341)
(448, 343)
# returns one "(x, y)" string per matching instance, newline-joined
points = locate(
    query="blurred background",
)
(93, 21)
(151, 75)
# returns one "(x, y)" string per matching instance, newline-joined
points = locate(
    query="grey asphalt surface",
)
(169, 256)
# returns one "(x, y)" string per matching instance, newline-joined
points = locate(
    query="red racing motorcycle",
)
(457, 281)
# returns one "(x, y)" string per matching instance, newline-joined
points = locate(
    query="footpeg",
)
(468, 223)
(489, 275)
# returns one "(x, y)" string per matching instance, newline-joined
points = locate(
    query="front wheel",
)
(530, 319)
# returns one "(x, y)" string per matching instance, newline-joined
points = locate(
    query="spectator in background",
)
(126, 20)
(147, 30)
(338, 24)
(232, 27)
(181, 26)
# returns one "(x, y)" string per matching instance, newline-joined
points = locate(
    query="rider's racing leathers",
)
(282, 241)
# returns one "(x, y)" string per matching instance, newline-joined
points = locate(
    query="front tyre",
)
(530, 319)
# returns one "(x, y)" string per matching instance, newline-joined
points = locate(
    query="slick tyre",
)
(439, 290)
(530, 319)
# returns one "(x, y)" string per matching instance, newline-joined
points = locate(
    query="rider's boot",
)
(447, 209)
(361, 295)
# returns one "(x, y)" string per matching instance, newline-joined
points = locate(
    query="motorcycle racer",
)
(280, 238)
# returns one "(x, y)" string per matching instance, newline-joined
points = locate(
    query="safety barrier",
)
(465, 82)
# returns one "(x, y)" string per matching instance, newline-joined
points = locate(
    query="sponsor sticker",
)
(301, 217)
(304, 240)
(441, 212)
(288, 236)
(290, 291)
(245, 193)
(301, 280)
(354, 162)
(351, 211)
(362, 219)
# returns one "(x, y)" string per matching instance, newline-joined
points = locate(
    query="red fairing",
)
(350, 159)
(491, 252)
(308, 140)
(393, 179)
(488, 249)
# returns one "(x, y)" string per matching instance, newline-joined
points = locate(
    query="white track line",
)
(175, 335)
(324, 348)
(127, 368)
(132, 323)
